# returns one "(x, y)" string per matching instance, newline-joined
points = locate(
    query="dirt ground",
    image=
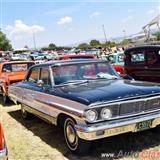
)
(34, 139)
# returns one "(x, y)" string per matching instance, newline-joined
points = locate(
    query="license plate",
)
(144, 125)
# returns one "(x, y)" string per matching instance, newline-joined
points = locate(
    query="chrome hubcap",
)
(71, 135)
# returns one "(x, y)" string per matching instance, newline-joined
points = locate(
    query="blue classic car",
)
(88, 100)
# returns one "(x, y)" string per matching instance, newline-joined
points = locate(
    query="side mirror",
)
(40, 83)
(126, 76)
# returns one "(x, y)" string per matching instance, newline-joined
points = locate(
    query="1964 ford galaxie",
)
(88, 100)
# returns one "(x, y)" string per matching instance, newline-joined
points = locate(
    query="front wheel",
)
(74, 143)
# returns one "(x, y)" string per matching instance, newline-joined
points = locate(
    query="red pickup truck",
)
(12, 72)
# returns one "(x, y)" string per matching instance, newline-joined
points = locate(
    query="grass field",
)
(36, 140)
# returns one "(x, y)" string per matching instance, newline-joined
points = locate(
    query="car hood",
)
(105, 91)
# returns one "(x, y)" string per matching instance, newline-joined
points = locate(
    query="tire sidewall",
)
(71, 122)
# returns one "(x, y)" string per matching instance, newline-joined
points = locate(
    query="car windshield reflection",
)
(82, 73)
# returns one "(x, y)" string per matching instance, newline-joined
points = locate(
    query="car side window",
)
(137, 58)
(7, 68)
(121, 58)
(45, 76)
(153, 57)
(34, 75)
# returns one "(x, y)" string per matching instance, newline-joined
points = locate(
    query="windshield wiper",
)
(73, 82)
(111, 78)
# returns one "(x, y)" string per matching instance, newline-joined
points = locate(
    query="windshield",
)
(80, 72)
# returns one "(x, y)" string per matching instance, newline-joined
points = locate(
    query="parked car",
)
(75, 56)
(12, 72)
(143, 63)
(88, 100)
(3, 147)
(117, 60)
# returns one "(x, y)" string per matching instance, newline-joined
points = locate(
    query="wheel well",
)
(61, 118)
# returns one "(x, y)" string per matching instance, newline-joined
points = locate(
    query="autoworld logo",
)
(145, 154)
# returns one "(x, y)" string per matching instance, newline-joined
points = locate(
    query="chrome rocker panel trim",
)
(112, 128)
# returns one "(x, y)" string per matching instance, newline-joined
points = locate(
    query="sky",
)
(66, 22)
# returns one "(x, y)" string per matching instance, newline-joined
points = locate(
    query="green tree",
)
(51, 46)
(109, 44)
(125, 42)
(157, 34)
(83, 46)
(4, 42)
(95, 43)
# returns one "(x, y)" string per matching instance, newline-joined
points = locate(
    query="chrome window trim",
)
(51, 77)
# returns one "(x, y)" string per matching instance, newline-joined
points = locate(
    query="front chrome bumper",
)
(116, 127)
(4, 154)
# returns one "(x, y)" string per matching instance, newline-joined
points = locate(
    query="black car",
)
(88, 100)
(143, 62)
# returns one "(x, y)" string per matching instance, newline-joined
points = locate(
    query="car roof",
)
(15, 62)
(77, 55)
(70, 61)
(143, 47)
(116, 53)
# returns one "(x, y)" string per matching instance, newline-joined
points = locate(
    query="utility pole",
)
(34, 42)
(104, 33)
(124, 33)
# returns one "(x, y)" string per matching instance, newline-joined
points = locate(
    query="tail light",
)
(2, 143)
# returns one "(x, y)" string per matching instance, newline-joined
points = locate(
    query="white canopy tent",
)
(21, 50)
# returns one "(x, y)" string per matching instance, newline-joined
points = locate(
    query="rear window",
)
(17, 67)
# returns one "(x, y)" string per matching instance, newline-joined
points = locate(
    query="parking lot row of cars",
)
(86, 97)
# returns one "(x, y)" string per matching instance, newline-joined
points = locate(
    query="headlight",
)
(106, 113)
(91, 115)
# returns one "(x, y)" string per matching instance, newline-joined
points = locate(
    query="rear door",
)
(153, 64)
(135, 64)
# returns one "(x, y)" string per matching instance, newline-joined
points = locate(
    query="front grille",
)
(128, 108)
(139, 106)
